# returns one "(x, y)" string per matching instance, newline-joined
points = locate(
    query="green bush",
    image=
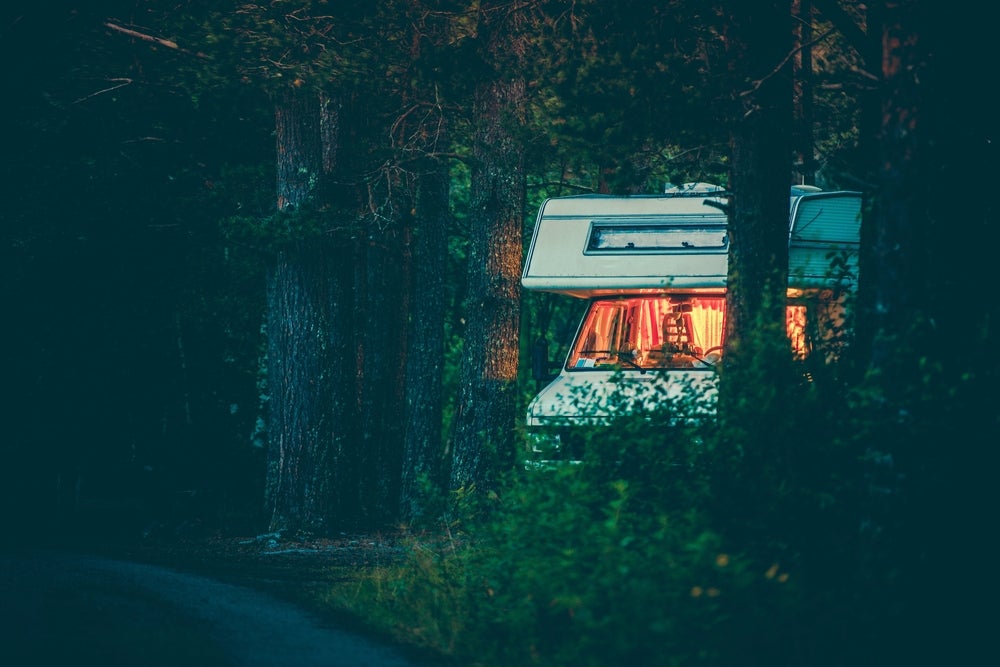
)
(813, 525)
(611, 561)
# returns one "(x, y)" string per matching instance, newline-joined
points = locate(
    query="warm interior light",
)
(665, 331)
(795, 327)
(677, 330)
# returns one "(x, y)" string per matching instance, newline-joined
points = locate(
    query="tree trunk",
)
(869, 132)
(380, 313)
(899, 278)
(760, 41)
(484, 435)
(933, 366)
(757, 447)
(804, 136)
(307, 406)
(307, 304)
(422, 463)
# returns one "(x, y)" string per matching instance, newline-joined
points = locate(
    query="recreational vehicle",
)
(652, 272)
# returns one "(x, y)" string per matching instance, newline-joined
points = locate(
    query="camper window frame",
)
(685, 225)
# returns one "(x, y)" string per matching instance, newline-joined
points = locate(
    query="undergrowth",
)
(808, 532)
(614, 561)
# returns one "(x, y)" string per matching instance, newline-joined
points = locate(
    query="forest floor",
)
(268, 560)
(302, 570)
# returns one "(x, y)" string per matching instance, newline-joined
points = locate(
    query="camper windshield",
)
(648, 332)
(686, 330)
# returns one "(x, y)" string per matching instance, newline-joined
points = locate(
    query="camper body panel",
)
(824, 226)
(589, 244)
(599, 396)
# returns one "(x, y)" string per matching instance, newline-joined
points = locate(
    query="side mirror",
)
(541, 367)
(540, 360)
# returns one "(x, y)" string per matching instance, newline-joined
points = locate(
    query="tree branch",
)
(150, 38)
(757, 84)
(120, 82)
(845, 23)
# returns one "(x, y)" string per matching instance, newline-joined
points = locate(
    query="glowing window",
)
(675, 331)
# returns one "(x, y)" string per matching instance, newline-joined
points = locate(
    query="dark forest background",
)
(261, 270)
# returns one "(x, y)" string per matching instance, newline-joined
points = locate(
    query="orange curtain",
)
(708, 317)
(795, 327)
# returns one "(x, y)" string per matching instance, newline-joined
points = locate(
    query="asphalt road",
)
(69, 609)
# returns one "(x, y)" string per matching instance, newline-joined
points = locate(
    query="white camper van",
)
(652, 270)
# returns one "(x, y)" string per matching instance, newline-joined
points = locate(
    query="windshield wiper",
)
(705, 360)
(630, 362)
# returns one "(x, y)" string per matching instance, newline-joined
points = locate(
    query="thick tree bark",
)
(307, 421)
(422, 463)
(307, 304)
(484, 435)
(760, 43)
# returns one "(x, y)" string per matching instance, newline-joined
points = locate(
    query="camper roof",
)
(590, 245)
